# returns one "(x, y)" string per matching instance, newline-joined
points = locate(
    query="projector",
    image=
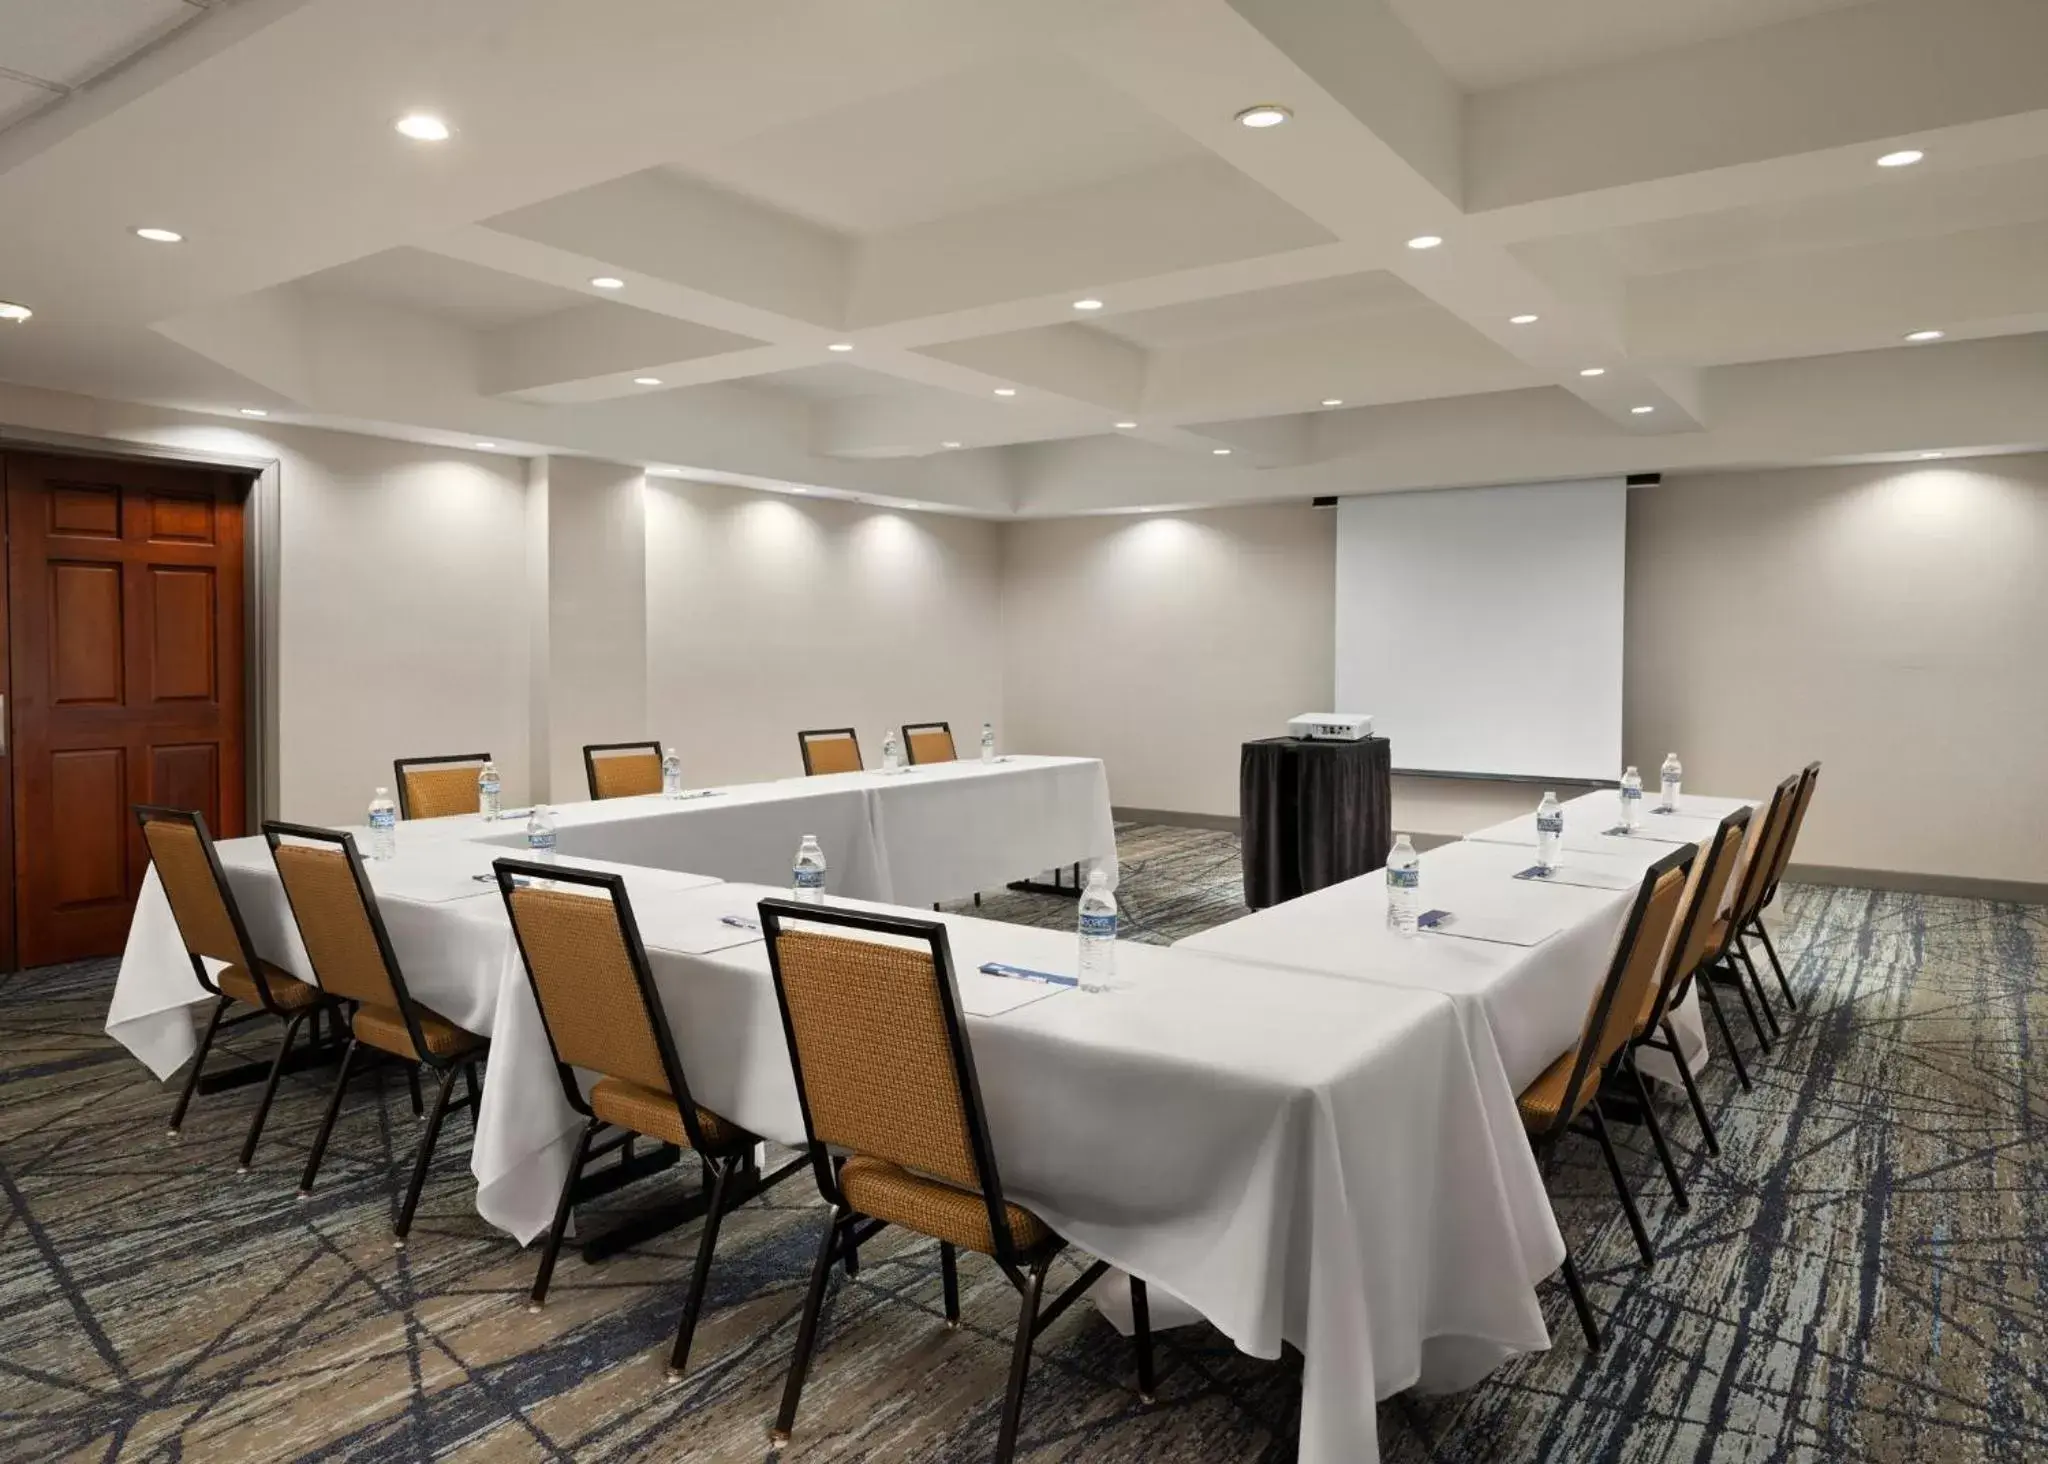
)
(1330, 727)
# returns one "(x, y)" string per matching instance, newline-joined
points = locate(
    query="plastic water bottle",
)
(1098, 934)
(1631, 800)
(671, 775)
(807, 872)
(540, 834)
(988, 742)
(1404, 886)
(1549, 832)
(487, 791)
(1671, 775)
(383, 825)
(892, 755)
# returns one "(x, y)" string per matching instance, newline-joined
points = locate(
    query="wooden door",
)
(125, 638)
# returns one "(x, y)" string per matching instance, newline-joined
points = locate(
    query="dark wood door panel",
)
(85, 511)
(183, 643)
(87, 651)
(88, 799)
(186, 775)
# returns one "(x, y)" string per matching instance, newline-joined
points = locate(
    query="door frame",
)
(260, 556)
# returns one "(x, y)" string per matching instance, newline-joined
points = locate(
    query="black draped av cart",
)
(1313, 814)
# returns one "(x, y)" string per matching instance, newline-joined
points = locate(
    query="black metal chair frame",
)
(447, 1068)
(1545, 1143)
(1729, 964)
(145, 814)
(723, 1163)
(591, 749)
(1673, 985)
(846, 1229)
(1808, 777)
(453, 759)
(910, 748)
(803, 743)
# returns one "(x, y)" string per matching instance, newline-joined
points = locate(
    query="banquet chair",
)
(1808, 777)
(587, 967)
(622, 769)
(211, 925)
(928, 742)
(1569, 1089)
(343, 932)
(1706, 891)
(829, 750)
(896, 1131)
(1728, 965)
(437, 787)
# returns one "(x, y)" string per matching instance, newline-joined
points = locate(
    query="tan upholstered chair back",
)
(1794, 821)
(1706, 890)
(589, 994)
(836, 751)
(929, 742)
(199, 905)
(1760, 852)
(1636, 955)
(440, 791)
(878, 1069)
(333, 924)
(623, 774)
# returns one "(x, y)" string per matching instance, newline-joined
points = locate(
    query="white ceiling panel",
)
(69, 42)
(470, 295)
(19, 98)
(1263, 312)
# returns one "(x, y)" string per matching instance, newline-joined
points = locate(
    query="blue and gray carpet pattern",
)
(1862, 1276)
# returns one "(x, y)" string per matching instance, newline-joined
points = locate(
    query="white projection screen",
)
(1482, 627)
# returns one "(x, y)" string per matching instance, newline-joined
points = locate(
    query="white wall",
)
(768, 614)
(595, 679)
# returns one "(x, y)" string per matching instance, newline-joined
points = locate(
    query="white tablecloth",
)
(1330, 1163)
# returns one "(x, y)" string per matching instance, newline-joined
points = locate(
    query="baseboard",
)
(2013, 891)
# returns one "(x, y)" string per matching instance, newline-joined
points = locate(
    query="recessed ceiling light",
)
(1904, 158)
(160, 236)
(949, 444)
(1126, 426)
(1523, 319)
(1594, 371)
(1089, 304)
(422, 127)
(16, 313)
(1930, 454)
(840, 346)
(254, 412)
(1220, 451)
(647, 381)
(1006, 391)
(1925, 335)
(1266, 114)
(607, 282)
(1424, 241)
(1333, 401)
(1642, 411)
(486, 446)
(794, 489)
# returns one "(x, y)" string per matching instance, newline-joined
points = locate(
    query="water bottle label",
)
(1098, 926)
(1550, 823)
(542, 843)
(807, 879)
(1404, 879)
(383, 818)
(490, 787)
(1630, 795)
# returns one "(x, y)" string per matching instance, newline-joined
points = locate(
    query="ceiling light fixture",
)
(1925, 335)
(1220, 451)
(647, 381)
(1523, 319)
(422, 127)
(1333, 401)
(1594, 371)
(160, 236)
(949, 444)
(1642, 411)
(1006, 391)
(1930, 454)
(1126, 426)
(12, 312)
(1904, 158)
(254, 412)
(840, 346)
(1265, 114)
(607, 282)
(1424, 241)
(485, 446)
(1088, 304)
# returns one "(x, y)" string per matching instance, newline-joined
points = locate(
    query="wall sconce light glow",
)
(1523, 319)
(1925, 335)
(1006, 391)
(949, 444)
(1333, 401)
(422, 127)
(254, 412)
(160, 236)
(13, 313)
(1594, 371)
(1265, 114)
(1904, 158)
(1424, 241)
(1089, 304)
(841, 346)
(1220, 451)
(647, 381)
(1642, 411)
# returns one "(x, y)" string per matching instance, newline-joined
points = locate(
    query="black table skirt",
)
(1312, 814)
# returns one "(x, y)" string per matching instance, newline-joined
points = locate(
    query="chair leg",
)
(1020, 1364)
(1656, 1127)
(1777, 967)
(425, 1160)
(319, 1151)
(412, 1083)
(700, 1275)
(1692, 1090)
(1628, 1199)
(949, 1277)
(1141, 1328)
(284, 1048)
(476, 1096)
(807, 1332)
(1706, 989)
(1577, 1288)
(1741, 989)
(220, 1009)
(561, 1222)
(1757, 984)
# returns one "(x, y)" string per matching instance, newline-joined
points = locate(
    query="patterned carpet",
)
(1862, 1275)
